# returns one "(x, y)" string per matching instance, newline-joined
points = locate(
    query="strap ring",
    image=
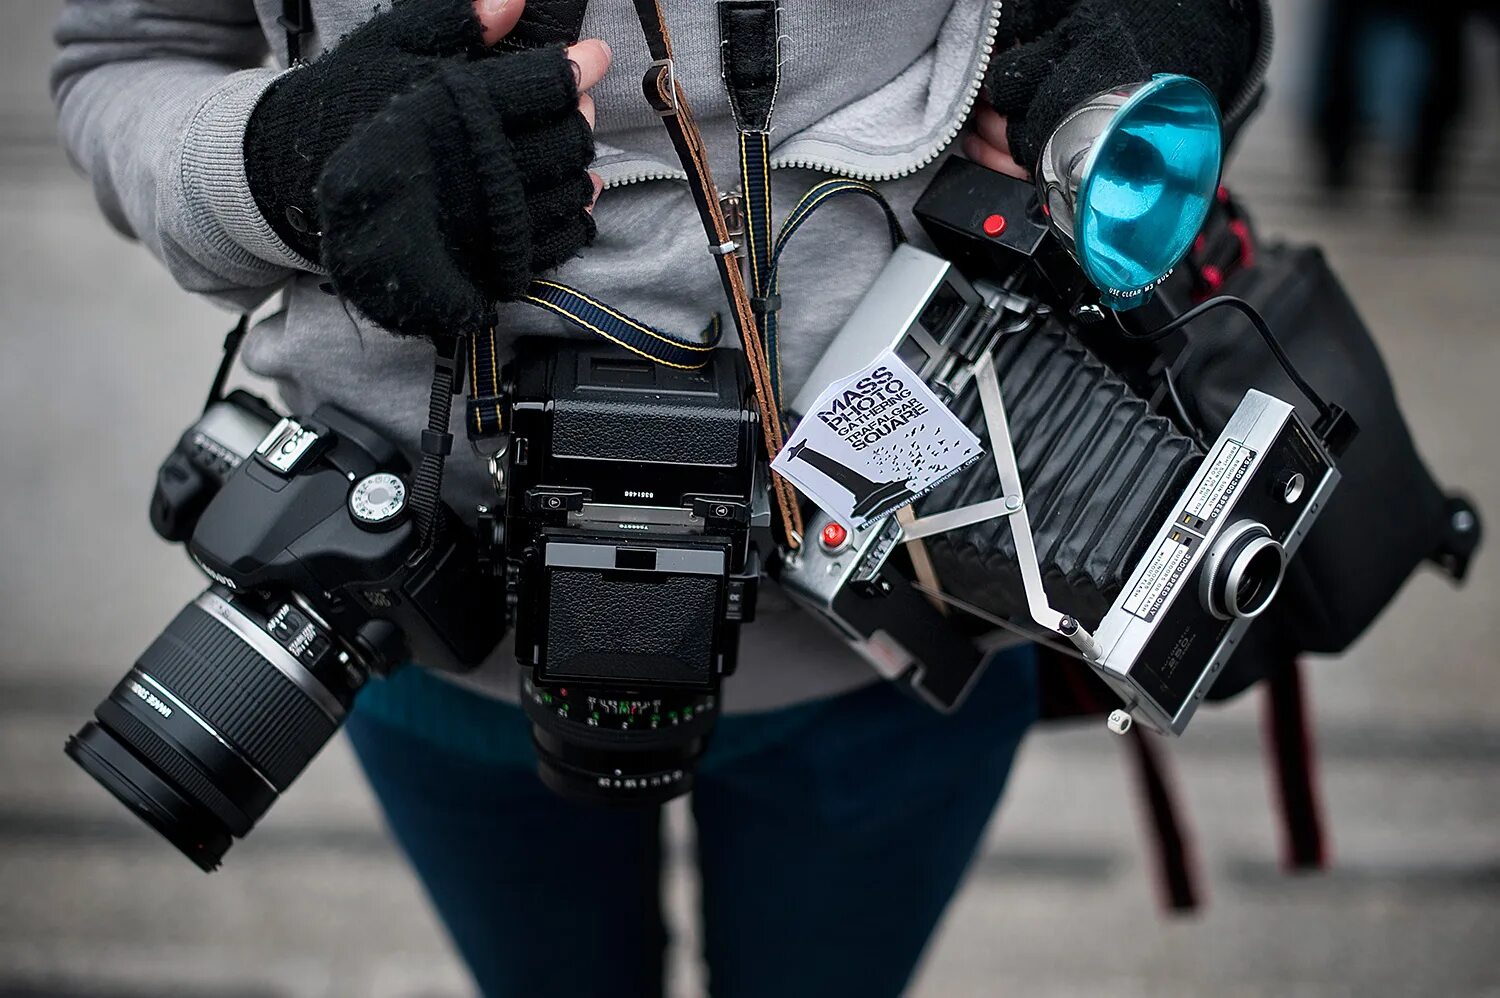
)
(664, 107)
(765, 304)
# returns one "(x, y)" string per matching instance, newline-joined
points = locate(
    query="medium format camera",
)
(635, 509)
(320, 579)
(1159, 553)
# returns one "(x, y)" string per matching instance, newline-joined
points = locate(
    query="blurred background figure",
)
(1398, 71)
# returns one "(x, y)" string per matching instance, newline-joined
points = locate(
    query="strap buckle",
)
(733, 206)
(450, 358)
(663, 100)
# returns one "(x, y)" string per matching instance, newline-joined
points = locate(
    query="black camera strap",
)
(296, 20)
(232, 340)
(750, 65)
(437, 442)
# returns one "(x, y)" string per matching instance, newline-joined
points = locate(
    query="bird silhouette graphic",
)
(869, 496)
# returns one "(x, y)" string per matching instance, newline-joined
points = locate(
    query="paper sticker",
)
(1220, 483)
(873, 442)
(1161, 576)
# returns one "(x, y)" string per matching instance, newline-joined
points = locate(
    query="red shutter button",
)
(994, 226)
(833, 537)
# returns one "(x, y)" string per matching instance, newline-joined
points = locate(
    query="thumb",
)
(498, 17)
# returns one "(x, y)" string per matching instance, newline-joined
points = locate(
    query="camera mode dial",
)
(377, 499)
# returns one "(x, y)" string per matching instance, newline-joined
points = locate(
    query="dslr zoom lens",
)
(220, 713)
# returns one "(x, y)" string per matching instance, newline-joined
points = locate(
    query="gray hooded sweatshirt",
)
(153, 97)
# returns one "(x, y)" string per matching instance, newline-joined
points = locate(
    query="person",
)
(410, 179)
(1434, 39)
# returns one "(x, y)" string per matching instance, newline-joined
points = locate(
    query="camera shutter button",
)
(377, 499)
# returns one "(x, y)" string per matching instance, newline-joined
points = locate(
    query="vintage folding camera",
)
(1093, 521)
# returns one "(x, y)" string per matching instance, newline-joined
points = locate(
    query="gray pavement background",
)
(102, 361)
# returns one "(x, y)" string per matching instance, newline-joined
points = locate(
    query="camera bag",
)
(1388, 514)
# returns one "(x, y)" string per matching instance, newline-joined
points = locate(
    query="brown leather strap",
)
(1289, 734)
(670, 103)
(1177, 869)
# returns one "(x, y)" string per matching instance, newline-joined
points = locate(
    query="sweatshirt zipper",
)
(971, 94)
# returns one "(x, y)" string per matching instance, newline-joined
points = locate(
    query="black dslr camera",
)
(635, 509)
(320, 578)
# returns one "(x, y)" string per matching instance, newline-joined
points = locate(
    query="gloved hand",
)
(431, 174)
(1055, 53)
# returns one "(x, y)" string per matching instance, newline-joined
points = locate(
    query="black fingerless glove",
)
(430, 175)
(1055, 53)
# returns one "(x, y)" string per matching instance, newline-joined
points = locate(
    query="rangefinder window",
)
(943, 311)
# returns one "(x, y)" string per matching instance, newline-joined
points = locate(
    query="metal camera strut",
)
(1012, 506)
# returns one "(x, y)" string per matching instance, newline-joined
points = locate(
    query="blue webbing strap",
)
(815, 198)
(486, 403)
(755, 182)
(485, 416)
(593, 315)
(588, 313)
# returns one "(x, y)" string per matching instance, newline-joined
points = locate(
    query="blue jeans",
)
(830, 837)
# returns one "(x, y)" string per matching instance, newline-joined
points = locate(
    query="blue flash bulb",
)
(1133, 174)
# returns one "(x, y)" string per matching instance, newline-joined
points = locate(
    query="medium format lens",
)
(217, 717)
(620, 749)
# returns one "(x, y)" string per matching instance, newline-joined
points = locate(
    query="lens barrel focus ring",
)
(172, 760)
(249, 702)
(215, 720)
(612, 766)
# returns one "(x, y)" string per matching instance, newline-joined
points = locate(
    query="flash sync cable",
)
(231, 349)
(1187, 421)
(1327, 412)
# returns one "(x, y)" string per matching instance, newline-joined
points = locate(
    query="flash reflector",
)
(1128, 179)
